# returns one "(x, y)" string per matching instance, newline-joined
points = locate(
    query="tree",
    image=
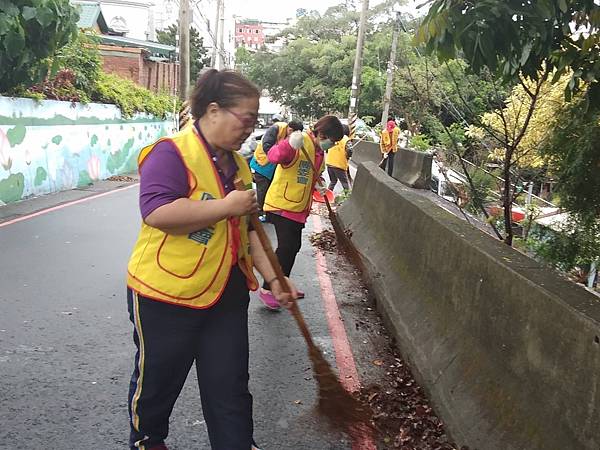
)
(30, 32)
(199, 57)
(312, 74)
(525, 43)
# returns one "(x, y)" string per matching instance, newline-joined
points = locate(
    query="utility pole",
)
(184, 48)
(221, 49)
(387, 98)
(356, 73)
(215, 53)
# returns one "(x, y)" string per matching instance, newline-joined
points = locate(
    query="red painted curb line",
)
(346, 366)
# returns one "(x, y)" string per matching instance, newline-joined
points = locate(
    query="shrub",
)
(30, 32)
(130, 97)
(420, 142)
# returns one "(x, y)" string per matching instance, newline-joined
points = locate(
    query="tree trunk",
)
(507, 197)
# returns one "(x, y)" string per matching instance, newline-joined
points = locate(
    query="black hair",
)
(330, 127)
(346, 129)
(296, 125)
(224, 87)
(391, 118)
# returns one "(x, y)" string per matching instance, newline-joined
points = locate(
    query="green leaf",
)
(16, 135)
(14, 42)
(4, 24)
(29, 12)
(40, 176)
(526, 52)
(11, 188)
(45, 16)
(562, 4)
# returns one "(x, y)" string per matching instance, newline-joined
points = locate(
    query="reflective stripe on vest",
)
(192, 270)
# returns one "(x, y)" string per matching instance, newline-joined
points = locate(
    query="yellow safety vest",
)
(389, 143)
(192, 270)
(259, 154)
(292, 185)
(336, 156)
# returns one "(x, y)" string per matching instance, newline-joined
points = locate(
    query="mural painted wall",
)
(51, 146)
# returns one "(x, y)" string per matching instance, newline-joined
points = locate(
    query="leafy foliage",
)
(82, 57)
(30, 32)
(573, 245)
(573, 151)
(549, 102)
(130, 97)
(516, 38)
(312, 74)
(198, 53)
(60, 87)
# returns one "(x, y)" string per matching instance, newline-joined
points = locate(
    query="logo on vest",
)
(205, 235)
(303, 172)
(202, 236)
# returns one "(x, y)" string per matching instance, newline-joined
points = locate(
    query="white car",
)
(363, 131)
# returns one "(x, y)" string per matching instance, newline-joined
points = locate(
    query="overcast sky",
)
(279, 10)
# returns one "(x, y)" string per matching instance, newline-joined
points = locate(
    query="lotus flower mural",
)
(5, 159)
(93, 167)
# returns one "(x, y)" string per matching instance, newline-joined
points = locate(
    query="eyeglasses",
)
(247, 122)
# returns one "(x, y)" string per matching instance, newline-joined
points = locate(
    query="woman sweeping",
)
(192, 267)
(289, 197)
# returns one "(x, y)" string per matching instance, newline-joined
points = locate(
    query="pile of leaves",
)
(123, 178)
(325, 240)
(401, 412)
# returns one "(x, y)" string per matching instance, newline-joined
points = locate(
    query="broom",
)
(341, 409)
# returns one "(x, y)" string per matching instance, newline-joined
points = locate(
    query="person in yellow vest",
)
(301, 160)
(191, 269)
(388, 144)
(337, 161)
(263, 169)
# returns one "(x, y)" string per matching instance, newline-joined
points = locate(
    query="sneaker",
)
(300, 294)
(263, 218)
(268, 299)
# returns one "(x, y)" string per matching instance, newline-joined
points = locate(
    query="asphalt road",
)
(66, 350)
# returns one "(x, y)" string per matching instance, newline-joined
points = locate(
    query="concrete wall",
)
(413, 168)
(509, 351)
(51, 146)
(410, 167)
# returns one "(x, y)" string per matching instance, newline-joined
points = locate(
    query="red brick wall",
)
(130, 63)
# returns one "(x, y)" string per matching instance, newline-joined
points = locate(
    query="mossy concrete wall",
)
(508, 351)
(51, 146)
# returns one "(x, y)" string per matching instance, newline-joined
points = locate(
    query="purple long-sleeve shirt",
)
(163, 176)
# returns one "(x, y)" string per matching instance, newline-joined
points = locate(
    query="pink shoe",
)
(300, 294)
(268, 299)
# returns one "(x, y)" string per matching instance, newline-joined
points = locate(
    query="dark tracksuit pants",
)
(169, 339)
(389, 162)
(262, 186)
(336, 174)
(289, 241)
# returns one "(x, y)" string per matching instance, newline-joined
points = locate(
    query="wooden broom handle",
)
(272, 257)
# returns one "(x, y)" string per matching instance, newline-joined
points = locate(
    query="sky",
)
(279, 10)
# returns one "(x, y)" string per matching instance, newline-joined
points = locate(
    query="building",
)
(132, 18)
(144, 62)
(254, 34)
(249, 33)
